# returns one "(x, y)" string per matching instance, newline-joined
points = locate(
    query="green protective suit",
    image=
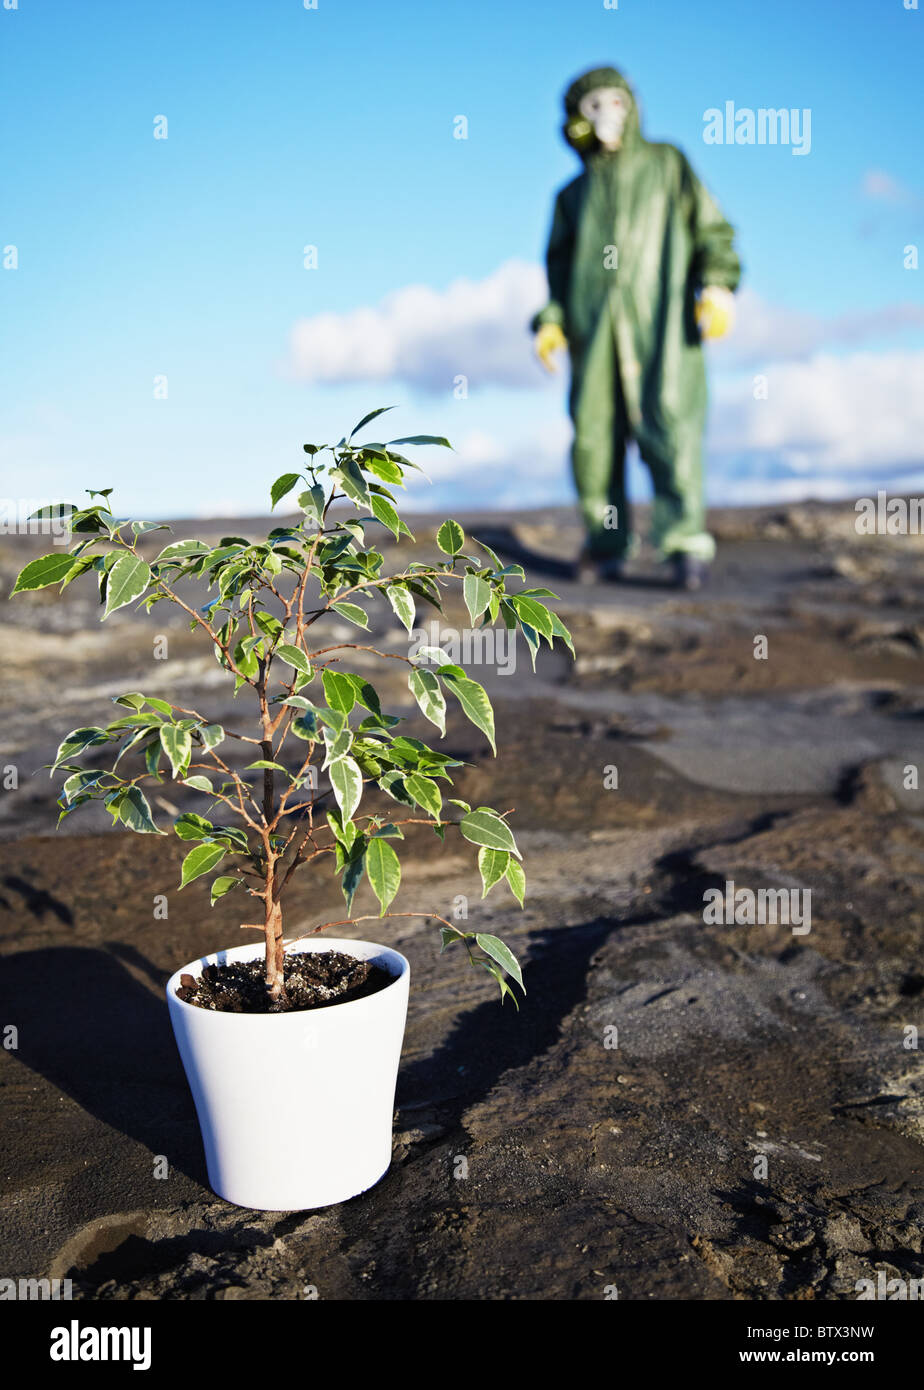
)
(633, 238)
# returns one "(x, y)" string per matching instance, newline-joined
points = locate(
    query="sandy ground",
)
(757, 1132)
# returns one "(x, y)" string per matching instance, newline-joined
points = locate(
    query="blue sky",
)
(333, 127)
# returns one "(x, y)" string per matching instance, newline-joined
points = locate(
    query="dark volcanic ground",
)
(533, 1159)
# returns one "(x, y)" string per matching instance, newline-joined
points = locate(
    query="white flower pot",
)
(295, 1108)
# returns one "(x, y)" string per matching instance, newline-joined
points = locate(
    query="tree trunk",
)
(275, 952)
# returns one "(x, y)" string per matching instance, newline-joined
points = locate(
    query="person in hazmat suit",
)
(641, 267)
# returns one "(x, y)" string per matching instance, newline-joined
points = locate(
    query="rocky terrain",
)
(680, 1110)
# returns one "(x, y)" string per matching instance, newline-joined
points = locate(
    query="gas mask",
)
(605, 110)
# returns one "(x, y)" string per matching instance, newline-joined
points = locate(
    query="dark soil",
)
(314, 980)
(758, 1130)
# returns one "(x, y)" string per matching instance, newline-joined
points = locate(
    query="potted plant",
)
(292, 1055)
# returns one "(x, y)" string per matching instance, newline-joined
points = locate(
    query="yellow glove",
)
(549, 339)
(715, 311)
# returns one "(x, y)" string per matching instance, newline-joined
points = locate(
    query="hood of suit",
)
(590, 81)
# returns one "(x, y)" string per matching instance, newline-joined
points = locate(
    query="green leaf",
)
(393, 785)
(366, 694)
(559, 630)
(134, 700)
(535, 614)
(347, 782)
(282, 485)
(345, 834)
(426, 793)
(128, 579)
(477, 594)
(231, 835)
(245, 661)
(38, 574)
(492, 864)
(305, 726)
(182, 550)
(264, 762)
(384, 468)
(495, 948)
(339, 691)
(385, 512)
(432, 656)
(89, 520)
(491, 554)
(135, 812)
(130, 743)
(198, 783)
(485, 827)
(425, 687)
(85, 563)
(422, 439)
(294, 656)
(211, 735)
(474, 701)
(177, 744)
(424, 590)
(353, 871)
(449, 936)
(533, 640)
(383, 870)
(57, 511)
(350, 477)
(133, 721)
(189, 826)
(516, 878)
(312, 501)
(402, 602)
(450, 537)
(497, 974)
(76, 741)
(509, 615)
(223, 885)
(389, 832)
(352, 612)
(267, 624)
(81, 782)
(373, 414)
(200, 860)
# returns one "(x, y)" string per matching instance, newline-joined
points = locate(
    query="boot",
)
(689, 573)
(593, 570)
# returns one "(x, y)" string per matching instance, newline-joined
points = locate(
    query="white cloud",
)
(832, 426)
(841, 417)
(428, 337)
(487, 471)
(838, 418)
(767, 332)
(425, 338)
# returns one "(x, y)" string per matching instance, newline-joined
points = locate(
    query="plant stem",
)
(275, 951)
